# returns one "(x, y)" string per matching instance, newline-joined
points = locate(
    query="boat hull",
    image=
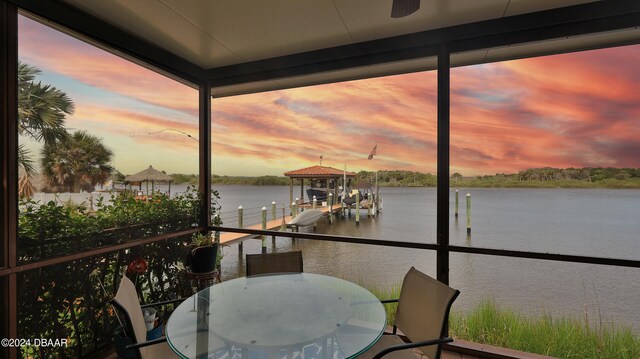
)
(306, 218)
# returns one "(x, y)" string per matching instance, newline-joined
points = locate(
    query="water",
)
(592, 222)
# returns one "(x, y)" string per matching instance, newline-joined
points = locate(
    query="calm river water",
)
(594, 222)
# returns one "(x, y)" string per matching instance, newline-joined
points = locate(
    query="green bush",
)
(70, 299)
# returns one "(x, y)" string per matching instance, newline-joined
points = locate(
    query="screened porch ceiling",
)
(223, 33)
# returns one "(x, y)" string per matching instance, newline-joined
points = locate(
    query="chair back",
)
(126, 300)
(287, 262)
(423, 309)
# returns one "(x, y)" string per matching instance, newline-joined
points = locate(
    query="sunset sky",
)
(580, 109)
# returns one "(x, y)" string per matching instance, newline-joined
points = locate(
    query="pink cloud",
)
(53, 51)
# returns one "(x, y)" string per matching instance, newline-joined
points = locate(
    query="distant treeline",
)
(192, 179)
(547, 177)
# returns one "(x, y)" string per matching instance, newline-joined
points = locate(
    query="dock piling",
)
(330, 203)
(240, 220)
(273, 210)
(357, 208)
(264, 227)
(468, 214)
(456, 211)
(283, 225)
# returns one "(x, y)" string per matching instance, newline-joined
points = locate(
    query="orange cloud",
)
(578, 109)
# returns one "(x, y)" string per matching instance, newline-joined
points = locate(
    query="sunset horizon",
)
(570, 110)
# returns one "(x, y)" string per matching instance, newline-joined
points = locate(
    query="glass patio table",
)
(277, 316)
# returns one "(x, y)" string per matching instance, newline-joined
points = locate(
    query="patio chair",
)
(287, 262)
(127, 303)
(422, 316)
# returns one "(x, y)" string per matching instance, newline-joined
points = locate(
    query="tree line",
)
(586, 177)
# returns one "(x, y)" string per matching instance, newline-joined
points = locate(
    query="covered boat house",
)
(322, 180)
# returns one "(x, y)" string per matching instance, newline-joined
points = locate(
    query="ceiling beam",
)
(574, 20)
(109, 37)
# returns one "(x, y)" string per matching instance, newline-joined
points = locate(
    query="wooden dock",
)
(231, 237)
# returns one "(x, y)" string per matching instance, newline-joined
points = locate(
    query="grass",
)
(562, 337)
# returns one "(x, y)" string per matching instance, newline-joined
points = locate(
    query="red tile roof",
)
(317, 172)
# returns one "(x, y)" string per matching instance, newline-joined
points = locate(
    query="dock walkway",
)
(231, 237)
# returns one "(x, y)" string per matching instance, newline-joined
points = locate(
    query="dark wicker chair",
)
(422, 315)
(287, 262)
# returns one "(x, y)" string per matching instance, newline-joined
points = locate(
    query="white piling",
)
(358, 208)
(468, 214)
(273, 210)
(240, 223)
(456, 211)
(330, 203)
(264, 227)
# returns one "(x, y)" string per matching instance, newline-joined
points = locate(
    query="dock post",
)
(468, 214)
(369, 204)
(456, 211)
(293, 215)
(283, 225)
(358, 208)
(315, 202)
(330, 203)
(273, 210)
(240, 220)
(264, 227)
(273, 218)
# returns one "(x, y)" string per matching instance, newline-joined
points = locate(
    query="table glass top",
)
(277, 316)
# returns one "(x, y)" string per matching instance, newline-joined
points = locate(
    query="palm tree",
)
(41, 113)
(41, 108)
(79, 161)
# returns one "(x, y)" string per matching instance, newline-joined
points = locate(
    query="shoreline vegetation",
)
(545, 334)
(547, 177)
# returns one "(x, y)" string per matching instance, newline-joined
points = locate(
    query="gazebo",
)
(149, 175)
(323, 177)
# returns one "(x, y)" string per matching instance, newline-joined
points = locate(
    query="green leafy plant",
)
(201, 239)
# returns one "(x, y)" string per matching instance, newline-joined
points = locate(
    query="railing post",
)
(315, 202)
(264, 227)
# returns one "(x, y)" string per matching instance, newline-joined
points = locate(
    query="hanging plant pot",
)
(202, 259)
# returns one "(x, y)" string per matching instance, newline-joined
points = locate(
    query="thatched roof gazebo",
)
(149, 175)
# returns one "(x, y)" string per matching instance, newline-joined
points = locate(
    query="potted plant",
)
(202, 254)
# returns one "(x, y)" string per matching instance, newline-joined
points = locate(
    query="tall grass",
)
(562, 337)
